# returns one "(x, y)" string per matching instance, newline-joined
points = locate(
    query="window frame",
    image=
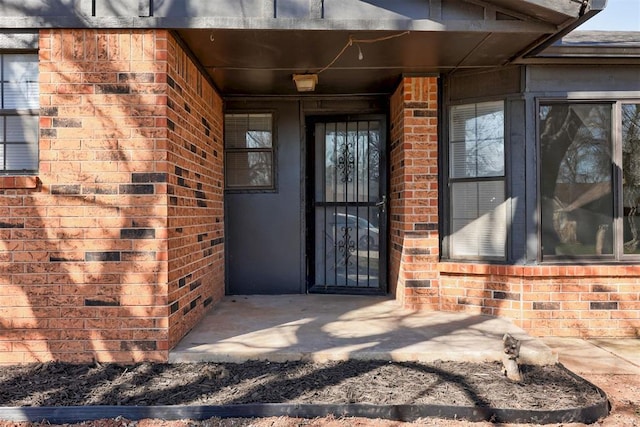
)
(618, 149)
(272, 187)
(18, 112)
(448, 249)
(617, 208)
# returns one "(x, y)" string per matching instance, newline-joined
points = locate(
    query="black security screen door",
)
(348, 214)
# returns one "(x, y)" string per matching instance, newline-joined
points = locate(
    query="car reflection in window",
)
(367, 234)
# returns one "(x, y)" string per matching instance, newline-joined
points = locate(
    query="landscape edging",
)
(404, 412)
(76, 414)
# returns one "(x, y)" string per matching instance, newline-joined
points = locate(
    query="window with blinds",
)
(249, 151)
(19, 104)
(478, 214)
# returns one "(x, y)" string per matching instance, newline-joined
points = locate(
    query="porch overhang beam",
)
(229, 23)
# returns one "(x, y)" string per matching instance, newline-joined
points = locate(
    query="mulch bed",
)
(354, 381)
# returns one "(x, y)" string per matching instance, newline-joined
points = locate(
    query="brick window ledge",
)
(28, 182)
(569, 270)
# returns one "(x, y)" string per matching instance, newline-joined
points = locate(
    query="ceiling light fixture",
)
(305, 82)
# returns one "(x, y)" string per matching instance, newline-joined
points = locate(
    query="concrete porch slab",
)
(614, 356)
(340, 327)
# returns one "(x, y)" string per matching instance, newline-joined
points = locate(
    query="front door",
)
(347, 215)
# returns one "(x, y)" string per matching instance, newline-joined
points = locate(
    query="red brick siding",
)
(575, 301)
(196, 183)
(89, 254)
(584, 301)
(414, 240)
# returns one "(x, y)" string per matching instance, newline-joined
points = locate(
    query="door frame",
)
(310, 121)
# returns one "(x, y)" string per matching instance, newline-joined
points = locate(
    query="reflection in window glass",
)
(20, 81)
(478, 223)
(478, 215)
(247, 131)
(631, 176)
(249, 151)
(249, 169)
(477, 140)
(576, 180)
(352, 153)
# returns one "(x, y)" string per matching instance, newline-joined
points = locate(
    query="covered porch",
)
(342, 327)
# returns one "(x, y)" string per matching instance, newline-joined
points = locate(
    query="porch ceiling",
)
(365, 46)
(353, 55)
(253, 47)
(262, 62)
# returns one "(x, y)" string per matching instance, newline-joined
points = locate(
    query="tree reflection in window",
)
(478, 212)
(631, 175)
(576, 179)
(477, 140)
(352, 153)
(249, 151)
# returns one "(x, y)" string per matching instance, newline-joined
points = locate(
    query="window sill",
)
(27, 182)
(529, 271)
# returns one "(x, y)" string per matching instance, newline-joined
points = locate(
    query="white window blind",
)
(478, 219)
(19, 104)
(20, 81)
(478, 214)
(477, 140)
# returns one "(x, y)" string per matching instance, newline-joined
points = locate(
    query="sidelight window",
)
(19, 103)
(478, 221)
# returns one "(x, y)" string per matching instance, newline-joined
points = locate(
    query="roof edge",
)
(589, 9)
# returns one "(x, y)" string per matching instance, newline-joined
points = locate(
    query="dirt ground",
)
(443, 383)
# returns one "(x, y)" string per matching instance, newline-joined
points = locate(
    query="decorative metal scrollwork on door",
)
(346, 246)
(346, 161)
(347, 217)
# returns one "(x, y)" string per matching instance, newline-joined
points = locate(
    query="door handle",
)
(382, 203)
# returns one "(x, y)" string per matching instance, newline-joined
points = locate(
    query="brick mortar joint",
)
(534, 272)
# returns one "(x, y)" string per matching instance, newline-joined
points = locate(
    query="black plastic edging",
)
(75, 414)
(409, 412)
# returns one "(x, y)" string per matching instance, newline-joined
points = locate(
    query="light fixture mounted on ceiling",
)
(305, 82)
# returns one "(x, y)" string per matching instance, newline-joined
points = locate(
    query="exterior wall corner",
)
(414, 239)
(93, 264)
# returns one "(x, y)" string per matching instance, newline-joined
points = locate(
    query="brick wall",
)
(414, 241)
(89, 249)
(570, 300)
(573, 301)
(196, 215)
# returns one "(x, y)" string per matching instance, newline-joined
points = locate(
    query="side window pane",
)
(249, 169)
(631, 176)
(249, 151)
(248, 130)
(21, 96)
(20, 81)
(19, 103)
(478, 219)
(22, 129)
(477, 140)
(476, 172)
(21, 157)
(576, 180)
